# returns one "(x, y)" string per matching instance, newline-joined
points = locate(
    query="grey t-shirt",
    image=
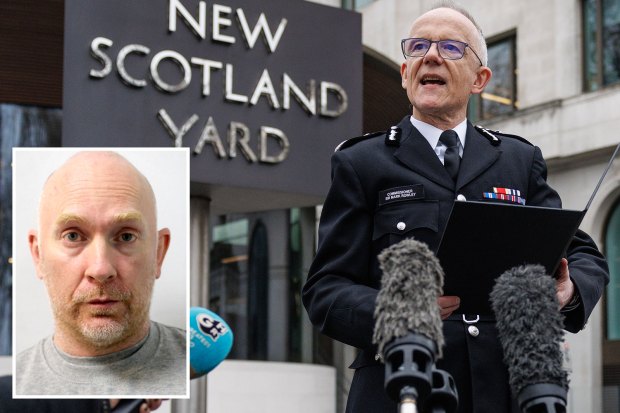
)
(153, 367)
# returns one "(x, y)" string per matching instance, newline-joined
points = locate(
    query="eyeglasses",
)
(448, 49)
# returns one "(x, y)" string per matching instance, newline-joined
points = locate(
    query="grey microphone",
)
(408, 328)
(529, 323)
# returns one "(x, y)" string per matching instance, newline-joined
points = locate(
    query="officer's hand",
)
(563, 284)
(447, 305)
(150, 405)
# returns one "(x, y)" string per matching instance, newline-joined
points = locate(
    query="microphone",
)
(210, 340)
(530, 331)
(408, 328)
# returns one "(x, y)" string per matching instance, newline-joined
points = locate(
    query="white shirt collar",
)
(432, 133)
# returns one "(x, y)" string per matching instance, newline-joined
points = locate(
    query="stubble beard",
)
(100, 327)
(104, 328)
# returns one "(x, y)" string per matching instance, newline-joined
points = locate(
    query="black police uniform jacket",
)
(355, 226)
(10, 405)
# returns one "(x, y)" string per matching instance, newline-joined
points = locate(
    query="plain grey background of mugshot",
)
(167, 169)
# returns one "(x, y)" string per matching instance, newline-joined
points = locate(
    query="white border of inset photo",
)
(167, 170)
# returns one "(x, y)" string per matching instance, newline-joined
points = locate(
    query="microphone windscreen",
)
(529, 323)
(407, 301)
(210, 340)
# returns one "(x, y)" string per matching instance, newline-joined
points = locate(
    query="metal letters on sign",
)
(260, 91)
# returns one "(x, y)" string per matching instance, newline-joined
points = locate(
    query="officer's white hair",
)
(481, 46)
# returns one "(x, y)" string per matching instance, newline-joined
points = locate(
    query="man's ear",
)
(403, 75)
(163, 242)
(483, 76)
(35, 251)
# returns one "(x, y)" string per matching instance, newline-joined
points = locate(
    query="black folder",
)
(482, 240)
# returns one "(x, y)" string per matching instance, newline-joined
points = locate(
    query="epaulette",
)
(491, 135)
(392, 138)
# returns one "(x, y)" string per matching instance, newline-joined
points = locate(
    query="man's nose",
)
(100, 265)
(432, 54)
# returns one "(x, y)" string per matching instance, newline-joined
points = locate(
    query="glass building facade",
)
(258, 262)
(23, 126)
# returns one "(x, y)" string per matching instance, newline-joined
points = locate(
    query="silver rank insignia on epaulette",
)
(490, 135)
(392, 137)
(350, 142)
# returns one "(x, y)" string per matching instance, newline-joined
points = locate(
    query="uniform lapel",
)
(479, 154)
(417, 155)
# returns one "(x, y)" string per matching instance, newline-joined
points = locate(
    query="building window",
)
(500, 95)
(355, 4)
(228, 283)
(258, 293)
(296, 276)
(612, 301)
(19, 126)
(611, 344)
(258, 264)
(601, 43)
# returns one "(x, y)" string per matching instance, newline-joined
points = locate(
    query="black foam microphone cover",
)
(408, 329)
(407, 301)
(530, 324)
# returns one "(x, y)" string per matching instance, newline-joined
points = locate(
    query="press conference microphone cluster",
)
(530, 330)
(408, 329)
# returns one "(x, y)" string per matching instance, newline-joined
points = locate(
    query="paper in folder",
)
(482, 240)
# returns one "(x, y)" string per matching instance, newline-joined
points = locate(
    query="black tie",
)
(451, 158)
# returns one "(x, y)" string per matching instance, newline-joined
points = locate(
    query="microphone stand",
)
(542, 398)
(408, 403)
(444, 397)
(409, 365)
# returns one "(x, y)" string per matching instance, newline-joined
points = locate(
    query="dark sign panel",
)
(260, 91)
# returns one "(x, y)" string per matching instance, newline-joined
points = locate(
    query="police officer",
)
(402, 183)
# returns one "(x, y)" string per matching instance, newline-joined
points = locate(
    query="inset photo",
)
(101, 272)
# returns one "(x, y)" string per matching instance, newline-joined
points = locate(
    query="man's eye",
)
(72, 236)
(127, 237)
(451, 47)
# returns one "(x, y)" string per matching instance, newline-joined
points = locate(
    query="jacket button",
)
(473, 331)
(461, 197)
(401, 226)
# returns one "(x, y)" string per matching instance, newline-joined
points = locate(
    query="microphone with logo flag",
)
(529, 323)
(211, 340)
(408, 328)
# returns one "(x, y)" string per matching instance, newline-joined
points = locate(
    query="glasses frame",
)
(402, 48)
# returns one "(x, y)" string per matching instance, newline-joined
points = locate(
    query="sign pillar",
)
(200, 245)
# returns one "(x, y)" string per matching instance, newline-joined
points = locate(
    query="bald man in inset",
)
(98, 251)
